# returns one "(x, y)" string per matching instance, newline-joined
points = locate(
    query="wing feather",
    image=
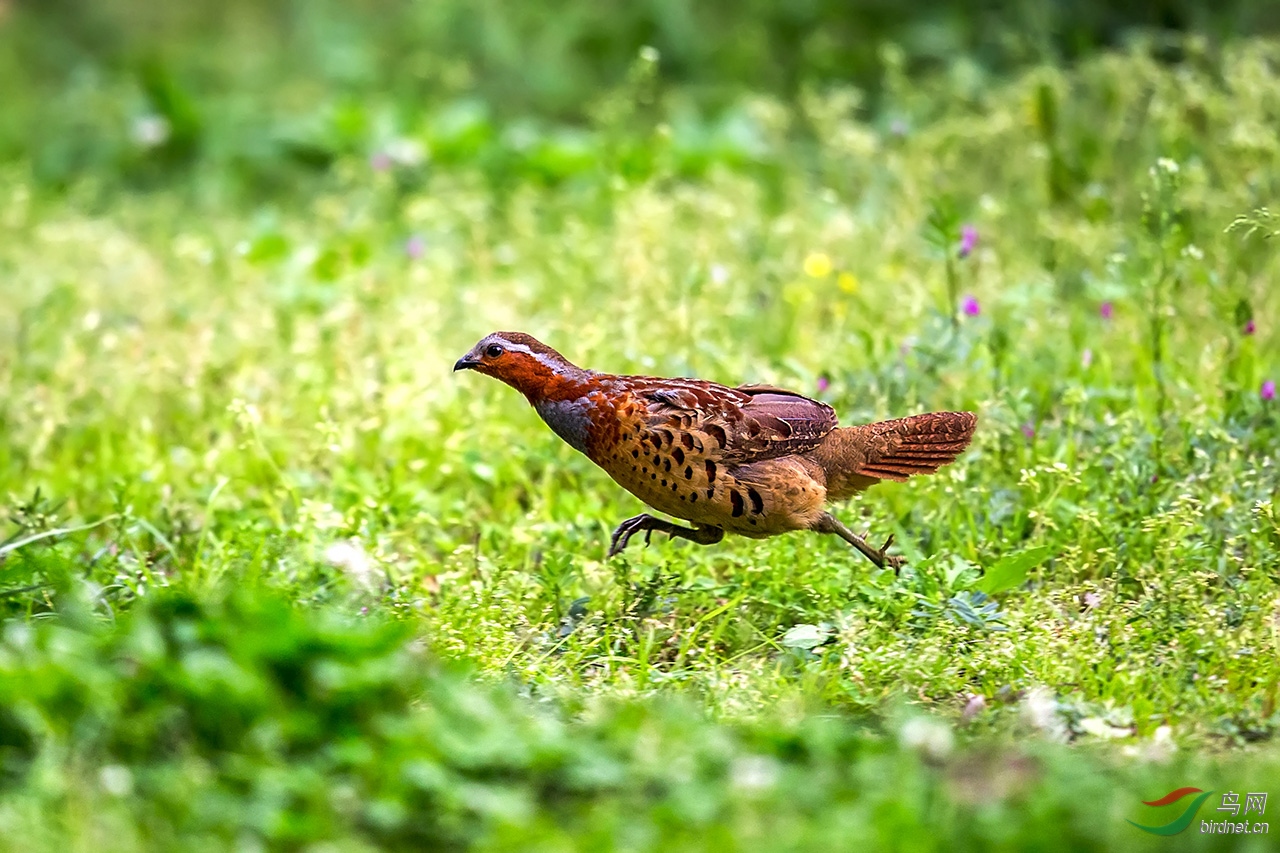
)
(749, 423)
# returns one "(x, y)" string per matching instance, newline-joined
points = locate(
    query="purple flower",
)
(1250, 327)
(968, 240)
(1029, 430)
(971, 307)
(1086, 358)
(380, 161)
(415, 247)
(824, 382)
(1106, 310)
(1269, 390)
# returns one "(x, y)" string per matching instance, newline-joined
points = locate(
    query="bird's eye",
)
(493, 350)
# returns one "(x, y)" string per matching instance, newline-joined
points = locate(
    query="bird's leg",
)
(648, 524)
(828, 523)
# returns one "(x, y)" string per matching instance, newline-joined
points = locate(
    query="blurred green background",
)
(266, 87)
(271, 578)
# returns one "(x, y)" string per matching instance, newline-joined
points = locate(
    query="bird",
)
(752, 460)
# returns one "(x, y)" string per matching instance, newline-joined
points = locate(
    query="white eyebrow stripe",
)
(557, 365)
(517, 348)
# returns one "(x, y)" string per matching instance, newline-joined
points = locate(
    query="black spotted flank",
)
(688, 472)
(711, 471)
(757, 502)
(635, 454)
(738, 504)
(687, 441)
(717, 432)
(711, 493)
(666, 464)
(678, 455)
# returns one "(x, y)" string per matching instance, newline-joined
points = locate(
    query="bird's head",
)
(523, 362)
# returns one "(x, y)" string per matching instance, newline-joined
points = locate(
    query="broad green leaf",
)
(804, 637)
(1011, 570)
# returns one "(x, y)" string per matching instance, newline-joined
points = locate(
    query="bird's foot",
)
(828, 523)
(641, 523)
(648, 524)
(892, 561)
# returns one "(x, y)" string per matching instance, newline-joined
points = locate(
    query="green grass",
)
(334, 592)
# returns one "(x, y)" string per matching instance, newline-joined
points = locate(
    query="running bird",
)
(753, 460)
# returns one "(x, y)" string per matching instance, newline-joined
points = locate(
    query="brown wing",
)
(861, 456)
(750, 423)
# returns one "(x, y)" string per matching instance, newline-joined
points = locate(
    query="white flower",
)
(1159, 749)
(116, 780)
(754, 773)
(351, 557)
(406, 152)
(931, 738)
(1099, 727)
(1040, 709)
(150, 130)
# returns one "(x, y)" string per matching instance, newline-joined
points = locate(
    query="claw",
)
(648, 524)
(828, 523)
(622, 536)
(618, 541)
(891, 561)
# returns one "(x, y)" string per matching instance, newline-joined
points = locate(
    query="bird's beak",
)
(464, 363)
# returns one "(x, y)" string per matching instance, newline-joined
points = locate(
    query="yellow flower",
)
(848, 282)
(817, 265)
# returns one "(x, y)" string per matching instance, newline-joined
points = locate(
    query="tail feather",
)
(855, 458)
